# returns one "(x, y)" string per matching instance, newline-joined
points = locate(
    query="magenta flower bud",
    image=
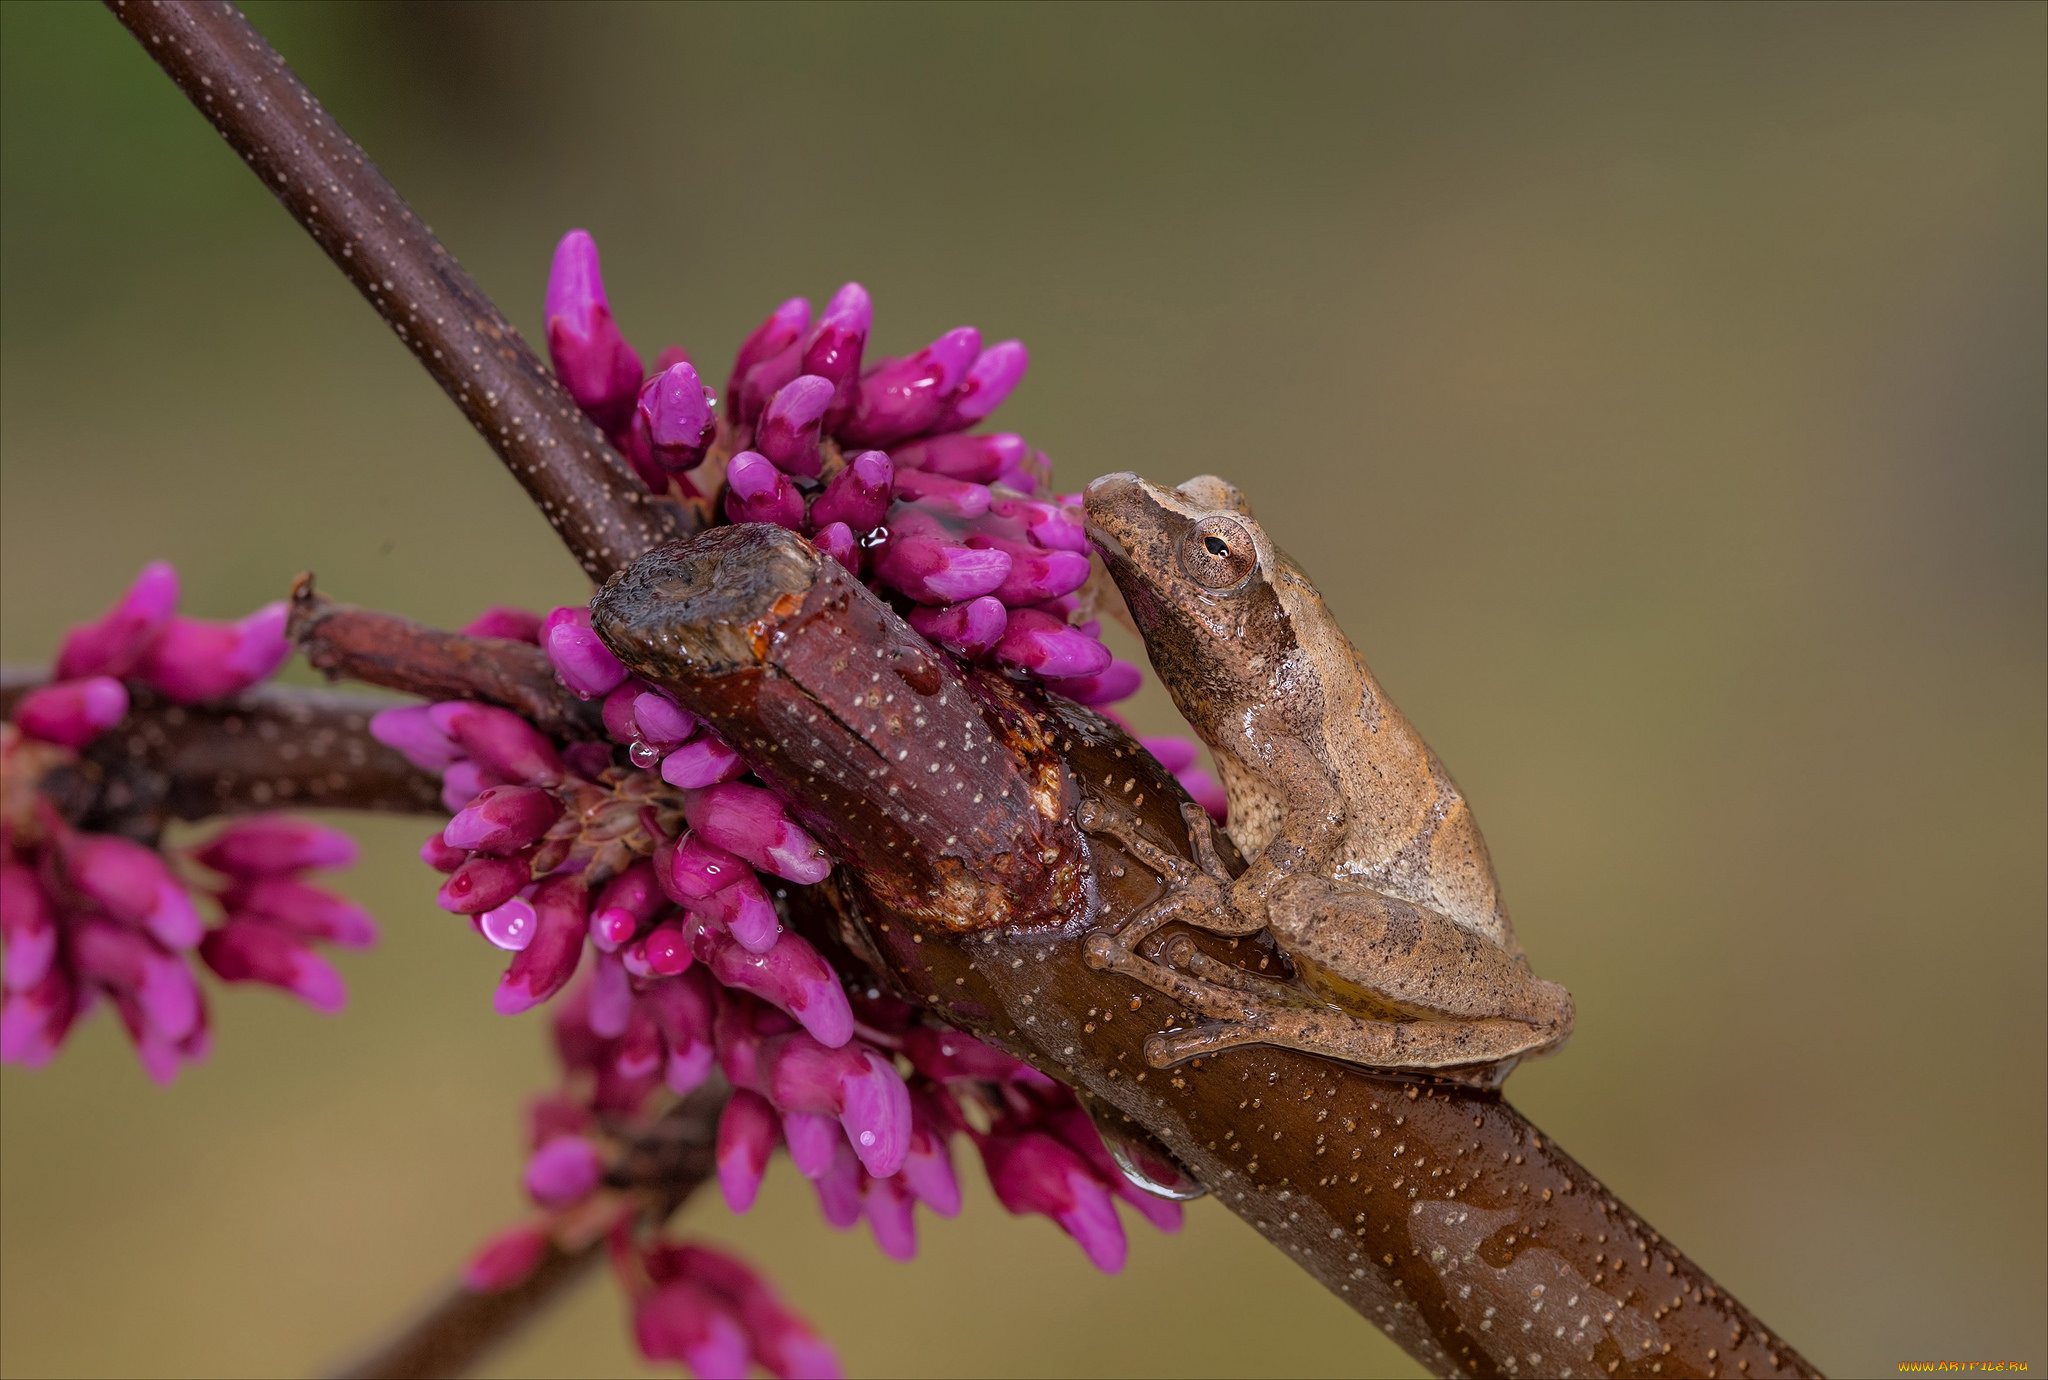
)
(511, 926)
(682, 1009)
(132, 884)
(1041, 643)
(666, 951)
(1074, 1127)
(29, 925)
(483, 883)
(970, 629)
(788, 434)
(1034, 1172)
(195, 660)
(696, 868)
(502, 743)
(1175, 754)
(276, 845)
(1206, 791)
(502, 620)
(661, 720)
(742, 910)
(928, 1169)
(858, 495)
(703, 761)
(1036, 574)
(243, 952)
(747, 1135)
(463, 782)
(780, 333)
(687, 1068)
(639, 1050)
(953, 497)
(791, 976)
(617, 712)
(503, 820)
(836, 540)
(675, 412)
(507, 1259)
(627, 902)
(971, 459)
(833, 348)
(932, 571)
(34, 1021)
(410, 730)
(579, 657)
(638, 447)
(813, 1139)
(851, 1082)
(436, 853)
(1028, 476)
(592, 359)
(303, 910)
(901, 398)
(1057, 526)
(1119, 682)
(950, 1056)
(890, 1209)
(72, 713)
(565, 1170)
(159, 983)
(680, 1322)
(991, 379)
(115, 644)
(749, 821)
(783, 1343)
(544, 967)
(839, 1189)
(756, 491)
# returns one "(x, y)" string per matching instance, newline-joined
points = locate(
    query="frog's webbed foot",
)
(1182, 953)
(1197, 892)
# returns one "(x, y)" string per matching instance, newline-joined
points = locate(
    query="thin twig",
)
(239, 82)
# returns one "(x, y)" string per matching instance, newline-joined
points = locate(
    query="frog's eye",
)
(1218, 554)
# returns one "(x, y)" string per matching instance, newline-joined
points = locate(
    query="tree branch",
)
(239, 82)
(1433, 1209)
(352, 643)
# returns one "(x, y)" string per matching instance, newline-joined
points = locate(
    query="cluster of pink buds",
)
(89, 915)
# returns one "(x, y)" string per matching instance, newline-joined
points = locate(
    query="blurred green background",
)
(1656, 393)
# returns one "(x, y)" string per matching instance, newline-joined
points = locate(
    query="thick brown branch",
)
(663, 1167)
(1435, 1210)
(350, 643)
(265, 749)
(287, 137)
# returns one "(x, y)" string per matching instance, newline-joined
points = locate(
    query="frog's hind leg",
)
(1181, 952)
(1197, 892)
(1451, 1047)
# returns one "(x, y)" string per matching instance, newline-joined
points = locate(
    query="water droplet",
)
(510, 926)
(867, 1138)
(644, 755)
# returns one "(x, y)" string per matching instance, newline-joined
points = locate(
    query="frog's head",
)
(1200, 578)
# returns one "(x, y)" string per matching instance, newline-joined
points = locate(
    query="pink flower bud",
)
(611, 997)
(661, 719)
(132, 884)
(791, 976)
(938, 494)
(275, 845)
(813, 1139)
(483, 883)
(901, 398)
(675, 416)
(890, 1209)
(934, 571)
(749, 821)
(507, 1259)
(579, 657)
(928, 1165)
(501, 620)
(783, 1343)
(972, 459)
(666, 950)
(592, 359)
(1072, 1124)
(34, 1020)
(839, 1189)
(411, 731)
(194, 660)
(972, 629)
(680, 1322)
(1055, 526)
(780, 333)
(756, 491)
(703, 761)
(501, 742)
(747, 1135)
(1036, 1173)
(545, 966)
(1036, 574)
(1039, 642)
(742, 910)
(833, 348)
(303, 910)
(1207, 792)
(788, 434)
(696, 869)
(115, 644)
(1176, 754)
(503, 820)
(991, 379)
(1119, 682)
(565, 1170)
(436, 853)
(463, 782)
(72, 713)
(627, 902)
(28, 924)
(241, 951)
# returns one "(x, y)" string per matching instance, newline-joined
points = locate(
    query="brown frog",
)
(1366, 866)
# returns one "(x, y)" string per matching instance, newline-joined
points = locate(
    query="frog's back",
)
(1410, 832)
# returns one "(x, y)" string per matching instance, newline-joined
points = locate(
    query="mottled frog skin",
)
(1366, 865)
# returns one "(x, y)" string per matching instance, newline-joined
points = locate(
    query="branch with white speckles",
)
(238, 81)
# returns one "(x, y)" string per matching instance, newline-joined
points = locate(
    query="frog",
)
(1364, 864)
